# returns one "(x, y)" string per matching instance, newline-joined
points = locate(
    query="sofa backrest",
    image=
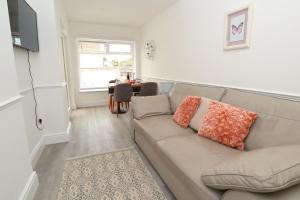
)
(182, 90)
(278, 121)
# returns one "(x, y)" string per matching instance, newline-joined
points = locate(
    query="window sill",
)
(93, 90)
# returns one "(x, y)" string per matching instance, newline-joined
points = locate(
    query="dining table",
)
(136, 88)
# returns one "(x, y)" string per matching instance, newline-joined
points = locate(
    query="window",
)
(102, 61)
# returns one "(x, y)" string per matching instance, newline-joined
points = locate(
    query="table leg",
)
(119, 110)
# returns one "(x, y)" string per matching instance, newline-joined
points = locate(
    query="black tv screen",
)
(23, 23)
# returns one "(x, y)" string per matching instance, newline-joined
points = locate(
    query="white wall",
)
(97, 31)
(189, 40)
(49, 79)
(15, 169)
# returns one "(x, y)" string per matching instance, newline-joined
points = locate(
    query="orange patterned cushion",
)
(186, 110)
(227, 124)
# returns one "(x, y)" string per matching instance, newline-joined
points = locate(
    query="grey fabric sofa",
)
(180, 156)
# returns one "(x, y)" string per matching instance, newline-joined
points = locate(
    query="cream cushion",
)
(150, 106)
(196, 121)
(265, 170)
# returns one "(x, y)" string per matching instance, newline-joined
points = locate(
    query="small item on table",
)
(132, 81)
(128, 77)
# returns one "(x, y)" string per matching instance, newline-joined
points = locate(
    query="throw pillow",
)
(264, 170)
(227, 124)
(186, 110)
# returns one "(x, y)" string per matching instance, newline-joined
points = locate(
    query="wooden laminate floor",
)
(94, 130)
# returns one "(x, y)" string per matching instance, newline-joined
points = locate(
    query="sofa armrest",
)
(150, 106)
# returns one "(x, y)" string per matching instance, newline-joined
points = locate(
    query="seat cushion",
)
(158, 161)
(190, 156)
(292, 193)
(160, 127)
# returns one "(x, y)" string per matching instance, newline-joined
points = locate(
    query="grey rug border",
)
(100, 153)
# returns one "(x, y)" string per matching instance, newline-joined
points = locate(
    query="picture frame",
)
(238, 27)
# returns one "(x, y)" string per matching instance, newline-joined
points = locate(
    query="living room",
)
(57, 118)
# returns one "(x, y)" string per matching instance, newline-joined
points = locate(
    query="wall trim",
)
(59, 137)
(44, 86)
(291, 96)
(30, 188)
(10, 101)
(37, 151)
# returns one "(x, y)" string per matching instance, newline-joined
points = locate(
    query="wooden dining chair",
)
(122, 94)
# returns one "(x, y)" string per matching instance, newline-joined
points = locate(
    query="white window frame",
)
(107, 42)
(120, 53)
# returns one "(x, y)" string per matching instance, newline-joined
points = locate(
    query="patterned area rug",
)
(116, 175)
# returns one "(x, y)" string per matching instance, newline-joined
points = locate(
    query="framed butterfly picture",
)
(238, 28)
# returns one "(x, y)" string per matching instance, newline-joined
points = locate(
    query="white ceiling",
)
(114, 12)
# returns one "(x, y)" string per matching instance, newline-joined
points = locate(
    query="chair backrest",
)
(149, 89)
(123, 92)
(111, 89)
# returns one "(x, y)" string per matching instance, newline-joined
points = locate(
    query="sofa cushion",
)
(181, 90)
(190, 156)
(160, 127)
(292, 193)
(197, 120)
(278, 121)
(264, 170)
(149, 106)
(227, 124)
(186, 110)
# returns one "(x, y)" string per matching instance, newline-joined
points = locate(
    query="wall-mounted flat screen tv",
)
(23, 23)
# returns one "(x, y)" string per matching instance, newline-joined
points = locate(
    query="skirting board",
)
(59, 137)
(92, 104)
(49, 139)
(37, 151)
(30, 188)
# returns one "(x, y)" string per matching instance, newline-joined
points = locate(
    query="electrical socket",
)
(40, 124)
